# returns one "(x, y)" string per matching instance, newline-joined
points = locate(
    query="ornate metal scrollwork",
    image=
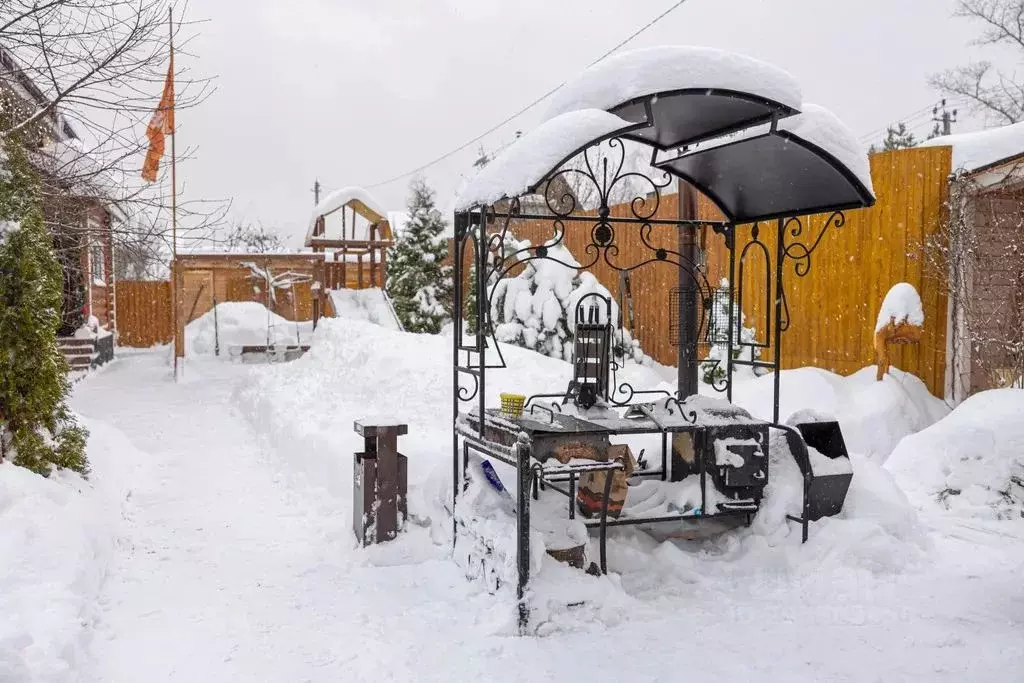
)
(466, 393)
(602, 176)
(799, 251)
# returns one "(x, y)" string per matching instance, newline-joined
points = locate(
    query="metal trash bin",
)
(380, 482)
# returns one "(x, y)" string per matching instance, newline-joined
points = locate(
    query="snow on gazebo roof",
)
(738, 122)
(529, 160)
(361, 200)
(668, 68)
(983, 149)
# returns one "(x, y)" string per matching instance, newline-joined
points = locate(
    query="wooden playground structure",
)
(348, 238)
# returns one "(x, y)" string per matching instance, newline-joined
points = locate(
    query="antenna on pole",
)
(946, 119)
(316, 192)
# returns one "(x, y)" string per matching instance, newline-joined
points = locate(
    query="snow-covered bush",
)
(714, 367)
(419, 284)
(536, 308)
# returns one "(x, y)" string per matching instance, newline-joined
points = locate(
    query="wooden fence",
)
(144, 313)
(833, 310)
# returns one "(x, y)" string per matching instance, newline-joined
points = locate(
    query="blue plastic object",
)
(492, 476)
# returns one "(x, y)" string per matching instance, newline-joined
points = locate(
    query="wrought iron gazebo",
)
(736, 130)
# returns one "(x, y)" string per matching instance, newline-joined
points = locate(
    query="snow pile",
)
(655, 70)
(822, 128)
(874, 416)
(364, 304)
(532, 157)
(972, 462)
(901, 305)
(981, 149)
(240, 323)
(57, 536)
(362, 371)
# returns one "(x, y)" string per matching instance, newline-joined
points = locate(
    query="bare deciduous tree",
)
(997, 94)
(80, 80)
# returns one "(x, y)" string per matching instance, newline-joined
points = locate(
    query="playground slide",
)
(372, 305)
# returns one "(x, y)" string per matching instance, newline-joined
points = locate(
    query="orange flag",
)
(160, 125)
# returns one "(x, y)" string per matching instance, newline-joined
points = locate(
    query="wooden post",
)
(373, 255)
(383, 267)
(178, 280)
(344, 266)
(359, 271)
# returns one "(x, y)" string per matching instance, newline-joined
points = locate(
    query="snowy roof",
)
(669, 68)
(822, 128)
(528, 160)
(738, 121)
(983, 149)
(339, 198)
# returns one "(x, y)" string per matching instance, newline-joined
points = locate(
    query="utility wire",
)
(528, 107)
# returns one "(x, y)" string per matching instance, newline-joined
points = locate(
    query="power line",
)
(528, 107)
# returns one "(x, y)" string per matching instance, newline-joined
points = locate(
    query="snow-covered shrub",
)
(419, 284)
(536, 308)
(718, 316)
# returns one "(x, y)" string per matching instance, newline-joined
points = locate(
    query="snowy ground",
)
(223, 551)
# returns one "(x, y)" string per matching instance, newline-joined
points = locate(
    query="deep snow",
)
(970, 463)
(232, 556)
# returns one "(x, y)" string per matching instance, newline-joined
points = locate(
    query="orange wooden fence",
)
(144, 313)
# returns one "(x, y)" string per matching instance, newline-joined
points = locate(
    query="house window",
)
(96, 265)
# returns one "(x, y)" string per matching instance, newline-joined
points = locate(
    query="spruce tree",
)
(898, 137)
(419, 283)
(37, 431)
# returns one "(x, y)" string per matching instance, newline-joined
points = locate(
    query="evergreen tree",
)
(419, 284)
(37, 431)
(898, 137)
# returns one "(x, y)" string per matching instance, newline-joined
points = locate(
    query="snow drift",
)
(972, 462)
(370, 304)
(57, 536)
(874, 416)
(240, 323)
(357, 370)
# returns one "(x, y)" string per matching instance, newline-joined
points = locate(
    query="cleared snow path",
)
(229, 568)
(223, 574)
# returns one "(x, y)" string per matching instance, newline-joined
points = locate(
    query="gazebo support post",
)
(687, 351)
(780, 258)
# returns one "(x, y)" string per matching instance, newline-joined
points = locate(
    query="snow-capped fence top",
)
(745, 142)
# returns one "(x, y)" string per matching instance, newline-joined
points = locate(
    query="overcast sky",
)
(354, 92)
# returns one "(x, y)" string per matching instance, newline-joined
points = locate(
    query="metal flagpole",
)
(174, 197)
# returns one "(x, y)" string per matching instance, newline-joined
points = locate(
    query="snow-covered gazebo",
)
(737, 130)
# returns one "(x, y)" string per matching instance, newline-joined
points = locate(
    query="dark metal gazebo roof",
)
(749, 144)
